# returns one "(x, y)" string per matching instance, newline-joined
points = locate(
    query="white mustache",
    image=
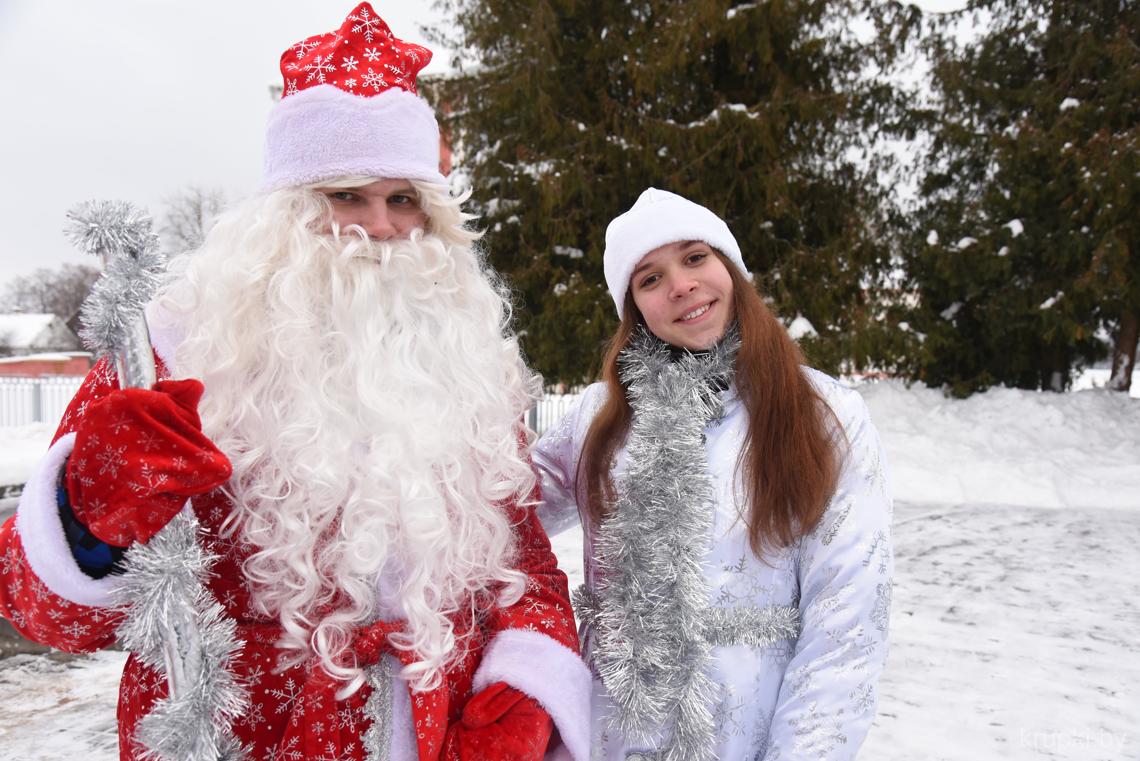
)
(422, 263)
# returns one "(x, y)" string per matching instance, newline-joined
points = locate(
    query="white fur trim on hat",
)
(657, 219)
(323, 132)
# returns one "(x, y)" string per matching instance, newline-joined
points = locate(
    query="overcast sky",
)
(137, 99)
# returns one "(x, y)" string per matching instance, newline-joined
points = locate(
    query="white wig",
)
(369, 395)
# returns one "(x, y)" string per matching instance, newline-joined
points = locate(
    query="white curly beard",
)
(369, 398)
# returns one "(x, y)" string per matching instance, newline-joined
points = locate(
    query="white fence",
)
(43, 400)
(549, 411)
(36, 400)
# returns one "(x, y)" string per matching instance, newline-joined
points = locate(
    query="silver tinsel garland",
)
(751, 627)
(164, 586)
(133, 269)
(378, 707)
(172, 623)
(650, 649)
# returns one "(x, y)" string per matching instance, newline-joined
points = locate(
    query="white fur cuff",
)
(41, 533)
(549, 672)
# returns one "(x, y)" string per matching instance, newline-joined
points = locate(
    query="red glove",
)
(499, 724)
(139, 454)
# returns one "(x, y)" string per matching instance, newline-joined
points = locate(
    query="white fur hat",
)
(350, 107)
(657, 219)
(323, 133)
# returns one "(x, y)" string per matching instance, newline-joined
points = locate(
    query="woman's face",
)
(684, 292)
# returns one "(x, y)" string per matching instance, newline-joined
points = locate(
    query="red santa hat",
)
(350, 108)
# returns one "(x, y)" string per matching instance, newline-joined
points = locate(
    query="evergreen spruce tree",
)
(1026, 241)
(563, 111)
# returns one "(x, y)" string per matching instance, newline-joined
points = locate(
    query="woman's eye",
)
(649, 281)
(697, 257)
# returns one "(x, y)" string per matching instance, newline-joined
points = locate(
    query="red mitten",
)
(139, 454)
(499, 724)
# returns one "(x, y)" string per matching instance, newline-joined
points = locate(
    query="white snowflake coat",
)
(813, 698)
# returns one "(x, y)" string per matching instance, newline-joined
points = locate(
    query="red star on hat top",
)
(363, 57)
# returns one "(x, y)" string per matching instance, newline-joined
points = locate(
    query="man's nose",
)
(377, 222)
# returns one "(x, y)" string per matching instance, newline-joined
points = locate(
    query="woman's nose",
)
(681, 286)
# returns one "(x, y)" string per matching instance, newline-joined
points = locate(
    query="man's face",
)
(385, 209)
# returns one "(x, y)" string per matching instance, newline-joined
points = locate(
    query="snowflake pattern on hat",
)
(363, 57)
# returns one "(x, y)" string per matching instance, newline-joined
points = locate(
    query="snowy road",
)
(1014, 636)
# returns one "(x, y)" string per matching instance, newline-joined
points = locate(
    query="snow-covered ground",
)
(1016, 607)
(20, 449)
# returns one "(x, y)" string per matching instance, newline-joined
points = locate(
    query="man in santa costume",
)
(346, 428)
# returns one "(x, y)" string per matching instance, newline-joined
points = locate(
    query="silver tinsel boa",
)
(112, 322)
(378, 707)
(174, 625)
(652, 624)
(171, 621)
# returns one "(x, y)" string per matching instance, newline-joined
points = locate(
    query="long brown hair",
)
(791, 453)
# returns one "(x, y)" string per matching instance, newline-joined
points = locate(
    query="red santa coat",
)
(294, 714)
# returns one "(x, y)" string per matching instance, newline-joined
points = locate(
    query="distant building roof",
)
(23, 329)
(53, 356)
(44, 332)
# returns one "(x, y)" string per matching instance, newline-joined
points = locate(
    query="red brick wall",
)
(37, 367)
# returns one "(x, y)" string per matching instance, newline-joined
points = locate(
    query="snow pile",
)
(21, 447)
(1009, 447)
(801, 327)
(22, 329)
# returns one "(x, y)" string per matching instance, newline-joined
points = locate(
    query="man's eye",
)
(341, 195)
(401, 200)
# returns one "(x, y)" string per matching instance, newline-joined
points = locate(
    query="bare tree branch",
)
(189, 216)
(58, 291)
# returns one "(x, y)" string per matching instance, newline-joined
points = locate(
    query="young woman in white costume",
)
(736, 515)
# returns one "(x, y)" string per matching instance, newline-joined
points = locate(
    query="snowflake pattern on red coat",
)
(138, 455)
(293, 712)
